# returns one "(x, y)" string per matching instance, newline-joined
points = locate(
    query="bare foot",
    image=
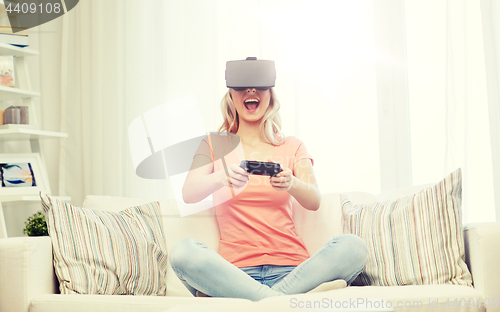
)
(336, 284)
(200, 294)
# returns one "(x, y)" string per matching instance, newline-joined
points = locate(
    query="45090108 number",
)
(33, 8)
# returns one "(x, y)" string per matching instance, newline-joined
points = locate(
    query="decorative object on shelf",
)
(12, 115)
(22, 174)
(36, 225)
(16, 115)
(25, 117)
(7, 78)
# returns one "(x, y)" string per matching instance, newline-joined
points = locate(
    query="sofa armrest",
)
(26, 270)
(482, 255)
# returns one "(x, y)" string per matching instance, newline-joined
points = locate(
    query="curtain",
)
(450, 114)
(490, 10)
(111, 72)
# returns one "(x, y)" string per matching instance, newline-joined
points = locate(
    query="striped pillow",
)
(107, 253)
(414, 240)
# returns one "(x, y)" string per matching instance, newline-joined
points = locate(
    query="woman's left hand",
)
(283, 181)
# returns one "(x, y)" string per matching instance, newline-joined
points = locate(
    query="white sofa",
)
(28, 281)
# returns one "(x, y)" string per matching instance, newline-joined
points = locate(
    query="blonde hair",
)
(270, 124)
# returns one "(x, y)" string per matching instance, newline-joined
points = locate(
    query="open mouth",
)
(252, 104)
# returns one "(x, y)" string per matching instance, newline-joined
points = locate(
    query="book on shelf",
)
(7, 72)
(20, 31)
(19, 39)
(15, 40)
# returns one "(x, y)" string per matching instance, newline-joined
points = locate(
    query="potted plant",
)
(36, 225)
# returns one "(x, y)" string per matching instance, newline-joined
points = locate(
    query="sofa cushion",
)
(201, 226)
(107, 253)
(317, 227)
(412, 240)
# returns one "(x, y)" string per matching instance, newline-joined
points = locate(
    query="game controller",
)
(261, 167)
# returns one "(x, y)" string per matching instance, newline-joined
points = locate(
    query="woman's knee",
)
(355, 247)
(359, 249)
(183, 251)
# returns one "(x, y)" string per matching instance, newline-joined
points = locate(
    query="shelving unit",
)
(22, 95)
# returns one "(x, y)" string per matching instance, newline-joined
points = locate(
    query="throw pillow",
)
(107, 253)
(414, 240)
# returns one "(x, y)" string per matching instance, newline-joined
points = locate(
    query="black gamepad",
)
(261, 167)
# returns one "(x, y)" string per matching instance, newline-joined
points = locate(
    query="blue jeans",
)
(200, 268)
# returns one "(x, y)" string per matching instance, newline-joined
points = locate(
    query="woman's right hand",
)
(236, 176)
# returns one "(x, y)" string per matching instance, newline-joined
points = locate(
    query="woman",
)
(260, 255)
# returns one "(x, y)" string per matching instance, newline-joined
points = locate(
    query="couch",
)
(28, 281)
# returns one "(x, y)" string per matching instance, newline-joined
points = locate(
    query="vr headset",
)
(250, 73)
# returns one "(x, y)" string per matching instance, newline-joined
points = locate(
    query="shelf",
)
(18, 198)
(7, 49)
(7, 93)
(29, 134)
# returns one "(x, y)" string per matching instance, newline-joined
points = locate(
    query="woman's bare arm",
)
(301, 184)
(304, 187)
(201, 180)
